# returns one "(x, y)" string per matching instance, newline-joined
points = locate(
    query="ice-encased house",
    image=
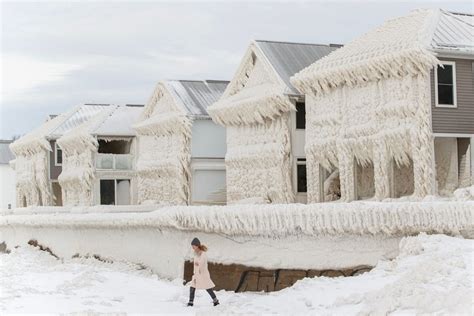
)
(98, 158)
(392, 112)
(180, 149)
(264, 116)
(40, 160)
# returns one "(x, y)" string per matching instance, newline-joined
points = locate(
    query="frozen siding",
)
(458, 120)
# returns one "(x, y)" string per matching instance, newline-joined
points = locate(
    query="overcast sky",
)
(56, 55)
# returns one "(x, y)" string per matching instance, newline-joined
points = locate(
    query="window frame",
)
(56, 147)
(455, 101)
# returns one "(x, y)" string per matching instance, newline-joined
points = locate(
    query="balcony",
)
(114, 162)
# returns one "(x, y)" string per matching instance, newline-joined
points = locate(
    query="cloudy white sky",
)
(55, 55)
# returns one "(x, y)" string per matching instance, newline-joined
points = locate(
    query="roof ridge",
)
(297, 43)
(197, 80)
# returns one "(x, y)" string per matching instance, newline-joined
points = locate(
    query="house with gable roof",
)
(264, 117)
(45, 171)
(98, 158)
(392, 112)
(180, 149)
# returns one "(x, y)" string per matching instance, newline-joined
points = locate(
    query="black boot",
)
(190, 304)
(215, 302)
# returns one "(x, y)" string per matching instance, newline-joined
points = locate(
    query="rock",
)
(332, 273)
(250, 282)
(313, 273)
(287, 278)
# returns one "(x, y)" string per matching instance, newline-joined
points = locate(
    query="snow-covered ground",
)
(431, 274)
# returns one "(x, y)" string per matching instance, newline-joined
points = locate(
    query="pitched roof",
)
(454, 31)
(5, 153)
(289, 58)
(398, 47)
(195, 96)
(119, 121)
(79, 115)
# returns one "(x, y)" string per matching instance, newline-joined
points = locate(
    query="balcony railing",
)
(114, 161)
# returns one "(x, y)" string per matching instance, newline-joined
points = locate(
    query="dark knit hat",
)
(195, 242)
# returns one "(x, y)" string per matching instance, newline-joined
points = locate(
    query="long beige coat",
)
(201, 277)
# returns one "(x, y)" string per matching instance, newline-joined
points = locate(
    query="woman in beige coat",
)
(201, 277)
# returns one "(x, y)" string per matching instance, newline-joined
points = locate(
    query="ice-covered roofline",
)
(406, 45)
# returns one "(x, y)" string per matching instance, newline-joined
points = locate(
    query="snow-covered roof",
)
(196, 95)
(5, 153)
(119, 122)
(261, 85)
(400, 46)
(104, 119)
(81, 114)
(174, 103)
(288, 58)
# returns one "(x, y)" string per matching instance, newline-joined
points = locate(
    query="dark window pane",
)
(59, 156)
(301, 183)
(300, 115)
(445, 75)
(445, 94)
(107, 192)
(114, 147)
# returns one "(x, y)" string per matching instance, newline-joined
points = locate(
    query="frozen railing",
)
(114, 161)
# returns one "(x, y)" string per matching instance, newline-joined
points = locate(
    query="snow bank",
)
(291, 236)
(431, 275)
(359, 218)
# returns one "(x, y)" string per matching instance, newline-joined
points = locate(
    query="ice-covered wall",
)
(291, 236)
(164, 150)
(378, 123)
(32, 184)
(255, 110)
(258, 161)
(78, 172)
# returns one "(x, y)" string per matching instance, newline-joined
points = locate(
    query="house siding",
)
(54, 171)
(458, 120)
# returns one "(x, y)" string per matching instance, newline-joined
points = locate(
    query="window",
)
(301, 175)
(445, 85)
(115, 192)
(58, 155)
(300, 115)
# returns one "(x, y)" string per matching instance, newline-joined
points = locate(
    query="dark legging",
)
(192, 291)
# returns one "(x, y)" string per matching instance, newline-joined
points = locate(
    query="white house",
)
(38, 160)
(7, 176)
(392, 112)
(180, 149)
(264, 116)
(98, 158)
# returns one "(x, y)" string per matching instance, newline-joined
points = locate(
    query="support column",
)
(314, 181)
(423, 141)
(382, 171)
(346, 176)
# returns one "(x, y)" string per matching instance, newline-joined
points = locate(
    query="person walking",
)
(201, 277)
